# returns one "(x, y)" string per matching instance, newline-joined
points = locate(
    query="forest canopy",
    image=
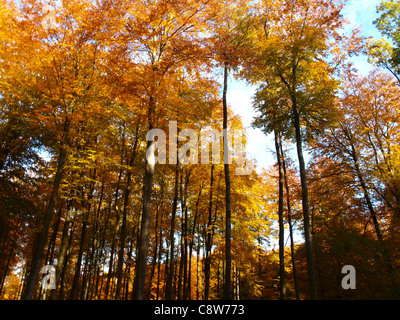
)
(124, 172)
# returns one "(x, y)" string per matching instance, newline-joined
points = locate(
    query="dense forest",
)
(123, 169)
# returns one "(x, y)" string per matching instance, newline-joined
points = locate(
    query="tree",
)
(297, 37)
(168, 35)
(82, 85)
(360, 143)
(64, 75)
(230, 32)
(381, 52)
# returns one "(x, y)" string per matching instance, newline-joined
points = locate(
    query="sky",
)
(360, 13)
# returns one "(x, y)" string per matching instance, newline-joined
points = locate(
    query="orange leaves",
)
(85, 80)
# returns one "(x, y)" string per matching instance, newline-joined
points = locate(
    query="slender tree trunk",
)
(180, 274)
(198, 273)
(366, 194)
(185, 256)
(260, 251)
(140, 271)
(85, 218)
(98, 245)
(63, 249)
(138, 293)
(110, 264)
(159, 258)
(38, 255)
(208, 239)
(282, 280)
(65, 265)
(99, 290)
(86, 276)
(43, 294)
(52, 242)
(228, 255)
(184, 234)
(75, 282)
(304, 194)
(289, 212)
(10, 255)
(127, 194)
(143, 243)
(128, 268)
(156, 248)
(170, 272)
(384, 249)
(189, 281)
(191, 244)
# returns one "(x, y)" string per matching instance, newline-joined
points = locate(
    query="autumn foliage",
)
(83, 82)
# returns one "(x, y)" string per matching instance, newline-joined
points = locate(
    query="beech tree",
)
(88, 189)
(293, 42)
(381, 52)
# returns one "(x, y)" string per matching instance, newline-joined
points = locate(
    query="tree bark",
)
(184, 234)
(228, 231)
(63, 249)
(110, 263)
(156, 247)
(289, 214)
(75, 282)
(138, 293)
(208, 241)
(170, 272)
(38, 255)
(282, 280)
(384, 249)
(304, 194)
(127, 194)
(191, 243)
(143, 243)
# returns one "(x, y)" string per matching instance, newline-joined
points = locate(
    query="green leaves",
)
(389, 21)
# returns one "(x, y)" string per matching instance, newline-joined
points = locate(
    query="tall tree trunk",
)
(184, 255)
(289, 214)
(128, 267)
(138, 293)
(143, 243)
(86, 275)
(180, 274)
(185, 233)
(282, 280)
(159, 258)
(110, 264)
(191, 243)
(38, 255)
(304, 194)
(75, 282)
(228, 256)
(384, 250)
(10, 255)
(170, 272)
(127, 194)
(156, 248)
(198, 273)
(208, 241)
(111, 261)
(67, 256)
(98, 245)
(189, 281)
(43, 294)
(63, 249)
(365, 192)
(85, 218)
